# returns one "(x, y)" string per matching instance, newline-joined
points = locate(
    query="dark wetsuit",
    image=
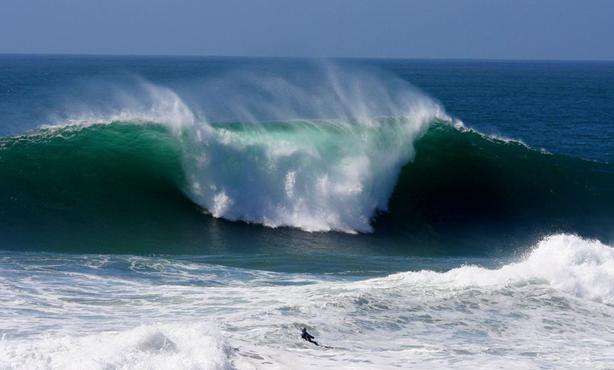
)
(308, 337)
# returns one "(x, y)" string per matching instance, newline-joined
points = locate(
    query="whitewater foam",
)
(552, 308)
(565, 262)
(163, 346)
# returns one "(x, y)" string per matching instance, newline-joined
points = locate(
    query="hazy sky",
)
(508, 29)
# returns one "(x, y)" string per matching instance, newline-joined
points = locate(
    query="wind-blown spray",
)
(329, 172)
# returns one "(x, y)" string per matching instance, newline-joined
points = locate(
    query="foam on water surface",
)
(163, 346)
(551, 308)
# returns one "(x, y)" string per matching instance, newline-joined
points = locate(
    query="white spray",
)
(331, 172)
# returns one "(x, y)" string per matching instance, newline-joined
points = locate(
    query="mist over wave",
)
(331, 172)
(326, 158)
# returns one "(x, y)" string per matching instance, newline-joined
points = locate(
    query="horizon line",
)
(305, 57)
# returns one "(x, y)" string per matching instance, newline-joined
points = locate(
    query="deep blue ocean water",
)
(164, 212)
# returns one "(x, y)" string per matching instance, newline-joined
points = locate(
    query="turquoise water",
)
(198, 212)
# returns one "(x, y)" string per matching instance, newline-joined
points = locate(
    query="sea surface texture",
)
(190, 212)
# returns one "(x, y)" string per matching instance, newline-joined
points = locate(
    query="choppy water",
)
(554, 308)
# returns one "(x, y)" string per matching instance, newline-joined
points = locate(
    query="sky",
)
(481, 29)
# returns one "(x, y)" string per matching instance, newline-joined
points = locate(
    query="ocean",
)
(198, 212)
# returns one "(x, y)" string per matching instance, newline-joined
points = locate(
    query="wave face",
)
(460, 178)
(129, 178)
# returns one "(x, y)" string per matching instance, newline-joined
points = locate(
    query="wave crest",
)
(565, 262)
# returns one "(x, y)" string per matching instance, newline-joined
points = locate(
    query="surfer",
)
(308, 337)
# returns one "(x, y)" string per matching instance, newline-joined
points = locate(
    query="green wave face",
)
(104, 184)
(128, 187)
(465, 182)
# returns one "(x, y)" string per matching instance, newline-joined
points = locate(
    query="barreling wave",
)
(128, 178)
(389, 162)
